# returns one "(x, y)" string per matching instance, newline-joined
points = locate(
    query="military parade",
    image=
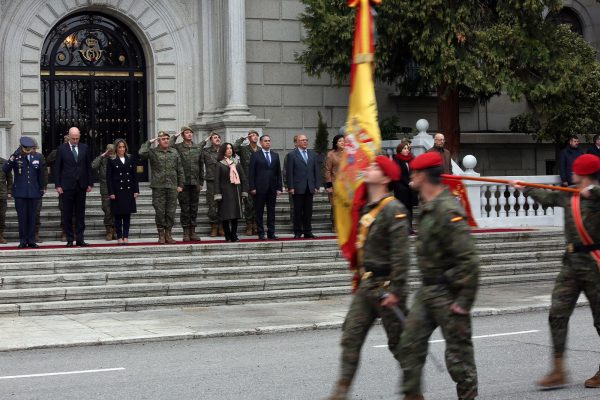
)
(136, 260)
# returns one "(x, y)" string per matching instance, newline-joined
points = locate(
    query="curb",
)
(266, 330)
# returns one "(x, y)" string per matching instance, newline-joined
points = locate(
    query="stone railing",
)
(493, 205)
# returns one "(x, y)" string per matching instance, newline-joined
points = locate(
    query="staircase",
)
(138, 277)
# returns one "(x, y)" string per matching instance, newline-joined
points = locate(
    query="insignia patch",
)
(456, 219)
(400, 216)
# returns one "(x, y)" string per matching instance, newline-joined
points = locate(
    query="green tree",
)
(443, 46)
(322, 135)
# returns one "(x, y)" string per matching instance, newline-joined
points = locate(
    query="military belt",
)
(434, 280)
(581, 248)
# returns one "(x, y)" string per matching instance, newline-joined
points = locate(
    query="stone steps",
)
(97, 279)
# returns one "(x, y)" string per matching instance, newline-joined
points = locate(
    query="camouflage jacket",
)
(446, 250)
(386, 246)
(590, 211)
(192, 161)
(244, 153)
(6, 181)
(209, 155)
(99, 165)
(166, 168)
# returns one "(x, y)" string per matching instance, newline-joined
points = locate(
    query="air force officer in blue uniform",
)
(28, 188)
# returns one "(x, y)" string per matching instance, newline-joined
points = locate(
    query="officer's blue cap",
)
(26, 141)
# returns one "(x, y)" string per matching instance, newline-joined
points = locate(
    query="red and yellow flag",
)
(363, 139)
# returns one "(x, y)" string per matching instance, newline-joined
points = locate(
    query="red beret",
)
(587, 164)
(389, 167)
(426, 160)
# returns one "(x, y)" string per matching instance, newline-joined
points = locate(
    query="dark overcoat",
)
(121, 181)
(228, 194)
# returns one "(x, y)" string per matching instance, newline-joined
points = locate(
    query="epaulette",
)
(457, 218)
(400, 216)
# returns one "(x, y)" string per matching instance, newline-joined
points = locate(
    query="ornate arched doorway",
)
(93, 76)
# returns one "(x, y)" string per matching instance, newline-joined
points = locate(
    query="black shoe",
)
(33, 245)
(21, 246)
(82, 244)
(261, 237)
(273, 237)
(297, 236)
(309, 236)
(70, 243)
(235, 239)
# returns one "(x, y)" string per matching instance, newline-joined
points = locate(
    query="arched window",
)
(568, 17)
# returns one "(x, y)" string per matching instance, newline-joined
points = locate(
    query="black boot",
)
(234, 225)
(226, 230)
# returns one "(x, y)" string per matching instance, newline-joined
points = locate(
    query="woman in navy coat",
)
(123, 189)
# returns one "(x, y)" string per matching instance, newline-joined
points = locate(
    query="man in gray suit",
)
(303, 179)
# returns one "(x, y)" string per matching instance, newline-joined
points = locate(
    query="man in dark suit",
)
(73, 179)
(304, 179)
(264, 176)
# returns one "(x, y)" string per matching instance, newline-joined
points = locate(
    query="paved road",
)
(294, 366)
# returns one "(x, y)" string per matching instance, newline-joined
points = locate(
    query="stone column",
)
(235, 58)
(5, 125)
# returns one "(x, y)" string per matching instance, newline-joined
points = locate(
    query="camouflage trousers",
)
(573, 279)
(430, 310)
(249, 209)
(213, 206)
(108, 217)
(188, 204)
(3, 206)
(164, 201)
(364, 310)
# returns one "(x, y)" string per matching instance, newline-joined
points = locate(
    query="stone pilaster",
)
(235, 59)
(5, 125)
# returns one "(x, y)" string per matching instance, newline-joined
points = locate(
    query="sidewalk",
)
(20, 333)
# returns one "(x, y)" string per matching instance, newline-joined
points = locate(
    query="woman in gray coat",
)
(230, 187)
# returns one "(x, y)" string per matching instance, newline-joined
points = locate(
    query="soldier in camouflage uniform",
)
(209, 156)
(579, 272)
(383, 263)
(99, 165)
(6, 183)
(245, 153)
(449, 267)
(193, 171)
(38, 210)
(50, 164)
(166, 181)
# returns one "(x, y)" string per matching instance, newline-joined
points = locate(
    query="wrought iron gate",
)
(93, 77)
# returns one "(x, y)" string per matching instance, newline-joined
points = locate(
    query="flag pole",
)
(507, 182)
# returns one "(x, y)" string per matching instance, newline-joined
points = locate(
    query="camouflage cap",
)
(110, 147)
(252, 132)
(163, 134)
(186, 128)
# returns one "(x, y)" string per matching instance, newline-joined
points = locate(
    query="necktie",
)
(268, 155)
(74, 149)
(305, 156)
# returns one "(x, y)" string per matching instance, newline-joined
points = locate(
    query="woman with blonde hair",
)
(123, 189)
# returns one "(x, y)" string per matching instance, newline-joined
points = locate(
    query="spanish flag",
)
(363, 139)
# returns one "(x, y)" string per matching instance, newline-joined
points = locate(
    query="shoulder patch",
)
(400, 216)
(456, 219)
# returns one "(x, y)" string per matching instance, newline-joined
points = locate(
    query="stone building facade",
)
(225, 65)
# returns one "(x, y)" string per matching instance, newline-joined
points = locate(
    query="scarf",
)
(234, 177)
(404, 158)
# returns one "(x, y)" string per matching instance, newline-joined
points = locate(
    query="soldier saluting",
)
(449, 267)
(580, 270)
(383, 262)
(166, 182)
(28, 188)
